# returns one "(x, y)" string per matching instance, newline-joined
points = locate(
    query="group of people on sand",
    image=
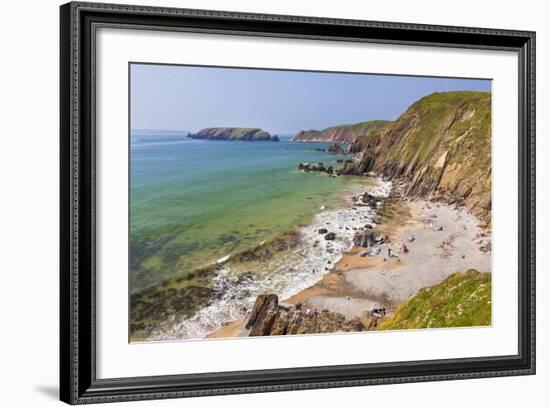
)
(404, 248)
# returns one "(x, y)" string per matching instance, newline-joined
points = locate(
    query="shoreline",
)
(294, 269)
(446, 240)
(350, 283)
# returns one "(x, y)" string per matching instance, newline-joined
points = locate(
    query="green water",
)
(193, 202)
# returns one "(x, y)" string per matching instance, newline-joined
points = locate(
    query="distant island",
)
(233, 134)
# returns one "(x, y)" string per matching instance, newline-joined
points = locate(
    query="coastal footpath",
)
(233, 134)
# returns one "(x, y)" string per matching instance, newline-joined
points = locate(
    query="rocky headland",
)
(233, 134)
(424, 244)
(345, 133)
(441, 148)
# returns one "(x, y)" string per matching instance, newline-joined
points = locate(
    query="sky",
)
(189, 98)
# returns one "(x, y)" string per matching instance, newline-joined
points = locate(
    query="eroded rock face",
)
(269, 318)
(263, 305)
(441, 146)
(364, 238)
(335, 148)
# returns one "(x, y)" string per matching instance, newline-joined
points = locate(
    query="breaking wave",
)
(285, 274)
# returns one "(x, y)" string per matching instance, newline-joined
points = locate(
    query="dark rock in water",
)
(319, 167)
(322, 231)
(368, 226)
(330, 236)
(370, 200)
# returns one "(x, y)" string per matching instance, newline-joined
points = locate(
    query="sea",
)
(195, 203)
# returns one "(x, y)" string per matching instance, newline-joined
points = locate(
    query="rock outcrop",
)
(319, 167)
(336, 148)
(233, 134)
(269, 318)
(346, 133)
(441, 147)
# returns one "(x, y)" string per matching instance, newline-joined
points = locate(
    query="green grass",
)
(352, 131)
(463, 299)
(436, 110)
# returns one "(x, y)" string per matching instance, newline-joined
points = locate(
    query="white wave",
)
(223, 259)
(284, 275)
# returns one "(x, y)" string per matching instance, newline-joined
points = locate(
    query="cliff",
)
(441, 147)
(346, 133)
(233, 133)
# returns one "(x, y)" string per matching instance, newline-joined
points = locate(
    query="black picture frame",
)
(78, 382)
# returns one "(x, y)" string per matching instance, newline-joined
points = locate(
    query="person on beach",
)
(404, 248)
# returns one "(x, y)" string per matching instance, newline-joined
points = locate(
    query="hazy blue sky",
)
(281, 102)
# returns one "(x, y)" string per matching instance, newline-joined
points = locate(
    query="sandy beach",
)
(440, 241)
(446, 240)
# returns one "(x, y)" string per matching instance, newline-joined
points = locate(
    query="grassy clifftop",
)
(463, 299)
(442, 146)
(345, 133)
(233, 133)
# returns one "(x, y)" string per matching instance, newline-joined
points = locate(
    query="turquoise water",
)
(193, 202)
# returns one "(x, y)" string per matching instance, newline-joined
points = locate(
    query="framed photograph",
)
(255, 203)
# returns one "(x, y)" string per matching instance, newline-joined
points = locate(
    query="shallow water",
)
(193, 202)
(285, 274)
